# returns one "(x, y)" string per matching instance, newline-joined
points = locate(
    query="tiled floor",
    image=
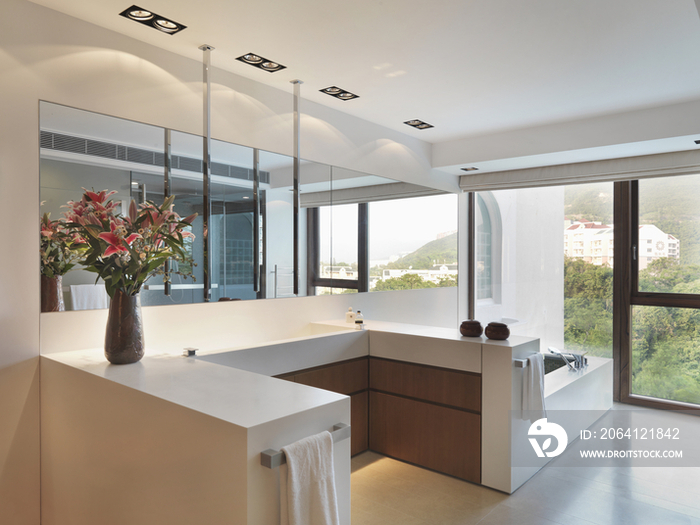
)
(389, 492)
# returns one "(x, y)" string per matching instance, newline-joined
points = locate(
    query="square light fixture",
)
(419, 124)
(151, 19)
(472, 168)
(336, 92)
(261, 62)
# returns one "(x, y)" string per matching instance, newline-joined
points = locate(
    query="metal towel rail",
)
(520, 363)
(274, 458)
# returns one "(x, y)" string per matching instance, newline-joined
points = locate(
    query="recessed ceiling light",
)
(336, 92)
(151, 19)
(419, 124)
(140, 14)
(469, 169)
(261, 62)
(166, 25)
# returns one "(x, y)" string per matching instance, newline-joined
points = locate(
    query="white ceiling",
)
(469, 67)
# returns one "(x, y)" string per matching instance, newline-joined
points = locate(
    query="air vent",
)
(68, 143)
(101, 149)
(118, 152)
(219, 169)
(46, 139)
(141, 156)
(188, 164)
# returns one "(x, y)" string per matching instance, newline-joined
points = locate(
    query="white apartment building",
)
(590, 241)
(655, 244)
(593, 242)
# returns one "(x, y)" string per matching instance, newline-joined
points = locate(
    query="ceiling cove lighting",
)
(470, 169)
(261, 62)
(336, 92)
(418, 124)
(151, 19)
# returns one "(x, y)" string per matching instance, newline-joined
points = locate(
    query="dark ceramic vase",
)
(471, 328)
(52, 294)
(497, 331)
(124, 334)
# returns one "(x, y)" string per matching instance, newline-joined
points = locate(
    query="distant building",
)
(434, 275)
(655, 244)
(590, 241)
(593, 242)
(338, 272)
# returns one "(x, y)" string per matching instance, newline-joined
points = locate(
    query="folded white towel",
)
(89, 296)
(307, 488)
(533, 388)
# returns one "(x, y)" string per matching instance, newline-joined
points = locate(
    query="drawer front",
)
(432, 436)
(437, 385)
(359, 421)
(344, 378)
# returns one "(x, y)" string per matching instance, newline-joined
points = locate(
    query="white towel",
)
(307, 488)
(533, 388)
(89, 296)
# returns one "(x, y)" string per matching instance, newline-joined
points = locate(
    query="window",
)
(413, 243)
(663, 349)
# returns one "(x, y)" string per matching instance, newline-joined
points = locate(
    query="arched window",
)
(488, 248)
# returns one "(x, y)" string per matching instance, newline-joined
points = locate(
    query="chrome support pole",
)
(256, 220)
(297, 85)
(206, 171)
(167, 173)
(471, 245)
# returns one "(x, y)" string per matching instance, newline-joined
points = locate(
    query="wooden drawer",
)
(437, 385)
(359, 421)
(432, 436)
(346, 378)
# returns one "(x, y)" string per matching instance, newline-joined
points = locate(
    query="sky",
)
(397, 227)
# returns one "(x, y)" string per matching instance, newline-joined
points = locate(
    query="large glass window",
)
(338, 244)
(665, 343)
(544, 267)
(668, 249)
(413, 243)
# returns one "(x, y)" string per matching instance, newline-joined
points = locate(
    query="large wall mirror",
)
(410, 241)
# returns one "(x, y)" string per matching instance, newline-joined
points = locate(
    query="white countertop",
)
(243, 398)
(448, 334)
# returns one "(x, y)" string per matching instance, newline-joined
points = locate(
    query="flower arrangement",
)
(126, 250)
(60, 249)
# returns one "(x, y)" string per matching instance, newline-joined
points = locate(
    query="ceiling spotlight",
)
(140, 14)
(149, 18)
(471, 168)
(252, 59)
(261, 62)
(166, 25)
(419, 124)
(336, 92)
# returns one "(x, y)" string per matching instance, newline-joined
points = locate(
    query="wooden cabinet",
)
(347, 377)
(427, 416)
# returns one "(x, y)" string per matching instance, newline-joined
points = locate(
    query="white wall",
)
(45, 55)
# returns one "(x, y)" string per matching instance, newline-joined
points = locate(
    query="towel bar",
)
(274, 458)
(520, 363)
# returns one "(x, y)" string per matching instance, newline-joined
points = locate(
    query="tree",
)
(407, 281)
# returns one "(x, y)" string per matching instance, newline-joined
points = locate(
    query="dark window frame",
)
(313, 253)
(626, 294)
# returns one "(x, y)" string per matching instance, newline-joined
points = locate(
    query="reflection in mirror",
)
(356, 230)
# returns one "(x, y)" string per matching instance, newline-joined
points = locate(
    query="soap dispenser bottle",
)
(359, 321)
(349, 315)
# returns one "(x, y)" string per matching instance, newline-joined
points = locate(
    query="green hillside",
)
(440, 250)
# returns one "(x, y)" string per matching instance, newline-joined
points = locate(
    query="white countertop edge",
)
(239, 397)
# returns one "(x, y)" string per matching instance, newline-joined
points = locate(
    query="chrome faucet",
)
(578, 360)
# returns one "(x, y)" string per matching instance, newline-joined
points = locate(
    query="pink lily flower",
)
(116, 245)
